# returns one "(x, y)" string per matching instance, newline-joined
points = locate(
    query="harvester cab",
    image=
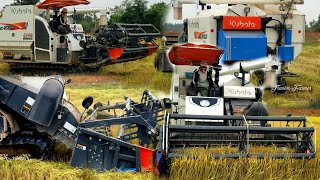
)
(37, 38)
(247, 30)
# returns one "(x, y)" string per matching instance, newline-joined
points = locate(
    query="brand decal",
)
(239, 92)
(14, 26)
(242, 92)
(238, 22)
(27, 36)
(193, 24)
(201, 35)
(21, 11)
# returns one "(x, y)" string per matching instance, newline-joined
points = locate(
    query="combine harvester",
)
(30, 38)
(247, 30)
(232, 115)
(33, 119)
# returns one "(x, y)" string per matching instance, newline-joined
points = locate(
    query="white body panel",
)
(17, 42)
(203, 109)
(207, 33)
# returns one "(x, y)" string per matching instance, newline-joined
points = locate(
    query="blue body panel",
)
(286, 53)
(288, 37)
(241, 45)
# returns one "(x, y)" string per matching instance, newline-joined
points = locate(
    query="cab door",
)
(43, 40)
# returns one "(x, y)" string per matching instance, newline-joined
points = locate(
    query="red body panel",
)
(193, 54)
(147, 157)
(115, 53)
(48, 4)
(241, 23)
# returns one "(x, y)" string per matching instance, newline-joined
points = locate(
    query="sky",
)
(311, 8)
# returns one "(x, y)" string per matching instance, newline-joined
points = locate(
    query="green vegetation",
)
(136, 11)
(25, 2)
(314, 25)
(89, 22)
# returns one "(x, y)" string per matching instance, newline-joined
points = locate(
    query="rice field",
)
(130, 79)
(307, 65)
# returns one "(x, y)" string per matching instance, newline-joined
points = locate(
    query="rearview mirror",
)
(87, 102)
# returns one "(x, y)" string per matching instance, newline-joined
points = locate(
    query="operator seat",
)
(53, 25)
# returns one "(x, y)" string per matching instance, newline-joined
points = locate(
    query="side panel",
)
(202, 30)
(241, 45)
(298, 33)
(97, 151)
(17, 33)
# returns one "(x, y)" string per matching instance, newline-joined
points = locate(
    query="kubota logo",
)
(201, 35)
(244, 23)
(14, 26)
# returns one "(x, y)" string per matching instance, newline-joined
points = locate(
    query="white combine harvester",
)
(268, 35)
(231, 115)
(30, 38)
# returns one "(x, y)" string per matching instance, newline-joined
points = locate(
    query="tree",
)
(130, 11)
(156, 14)
(25, 2)
(315, 25)
(136, 11)
(89, 22)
